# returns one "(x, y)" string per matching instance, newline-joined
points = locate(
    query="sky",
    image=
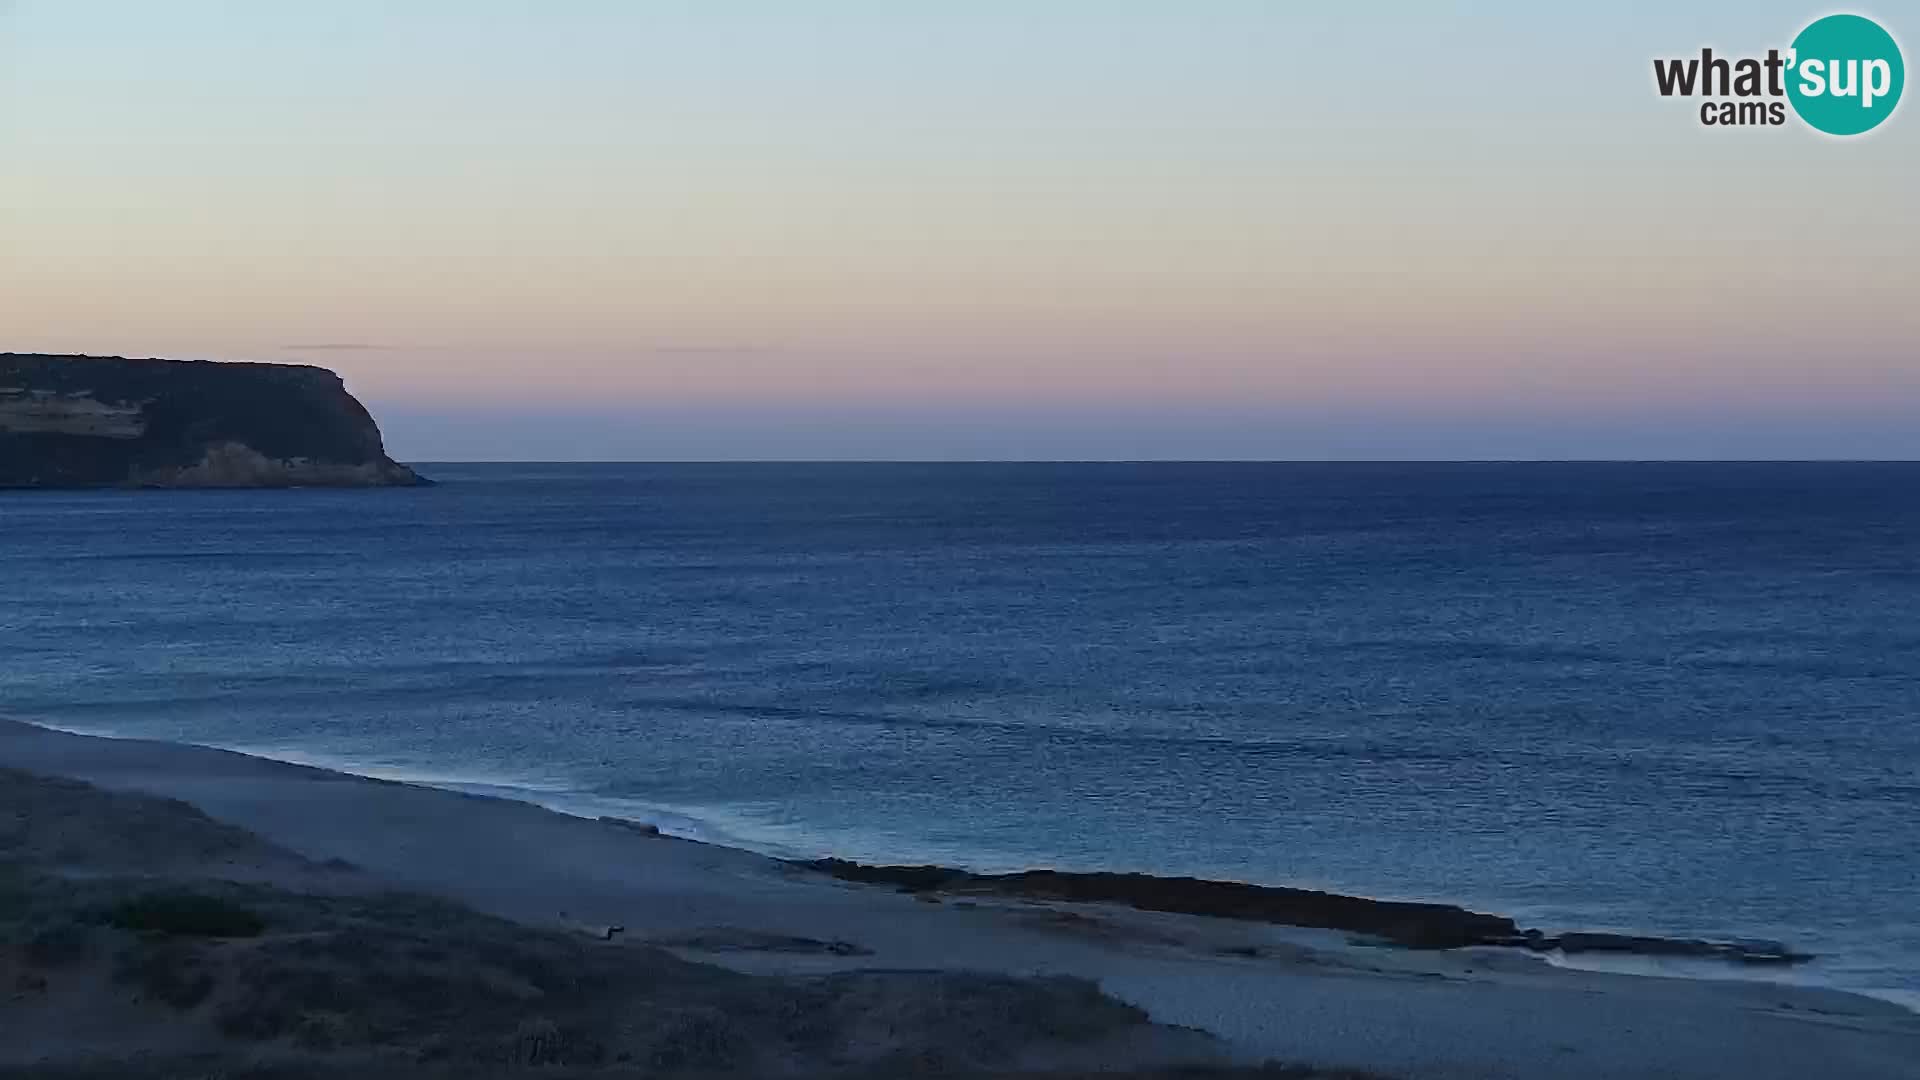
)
(1059, 229)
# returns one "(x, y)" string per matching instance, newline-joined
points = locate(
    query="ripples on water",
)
(1675, 698)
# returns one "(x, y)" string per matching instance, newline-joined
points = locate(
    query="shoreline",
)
(1262, 991)
(1389, 922)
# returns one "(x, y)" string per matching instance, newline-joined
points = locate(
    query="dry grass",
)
(372, 982)
(375, 986)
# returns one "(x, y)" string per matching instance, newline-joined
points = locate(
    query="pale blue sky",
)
(855, 228)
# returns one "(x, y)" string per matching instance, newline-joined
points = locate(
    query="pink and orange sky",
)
(849, 228)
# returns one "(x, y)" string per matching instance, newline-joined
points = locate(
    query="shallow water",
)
(1667, 698)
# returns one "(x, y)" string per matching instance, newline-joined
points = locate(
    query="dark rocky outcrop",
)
(1425, 926)
(1410, 925)
(89, 421)
(1740, 951)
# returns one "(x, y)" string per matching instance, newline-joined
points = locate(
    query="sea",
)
(1680, 699)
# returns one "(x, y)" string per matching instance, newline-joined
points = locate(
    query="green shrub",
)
(56, 944)
(173, 972)
(185, 914)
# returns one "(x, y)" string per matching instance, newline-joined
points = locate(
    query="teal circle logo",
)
(1845, 75)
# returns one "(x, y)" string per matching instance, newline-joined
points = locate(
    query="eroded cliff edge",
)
(109, 421)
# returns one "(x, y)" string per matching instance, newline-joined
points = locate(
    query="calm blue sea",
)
(1670, 698)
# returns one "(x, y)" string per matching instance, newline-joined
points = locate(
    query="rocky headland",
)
(93, 421)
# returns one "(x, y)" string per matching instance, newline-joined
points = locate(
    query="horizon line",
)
(1163, 461)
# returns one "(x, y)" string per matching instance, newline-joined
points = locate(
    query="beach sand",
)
(1263, 992)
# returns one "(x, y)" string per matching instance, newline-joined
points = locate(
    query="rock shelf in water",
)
(1404, 923)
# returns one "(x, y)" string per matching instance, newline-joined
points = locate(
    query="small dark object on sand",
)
(640, 827)
(603, 931)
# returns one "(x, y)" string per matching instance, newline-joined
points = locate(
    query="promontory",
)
(109, 421)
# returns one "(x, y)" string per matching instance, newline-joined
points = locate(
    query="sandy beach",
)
(1259, 992)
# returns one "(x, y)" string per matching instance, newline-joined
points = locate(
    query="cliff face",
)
(91, 421)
